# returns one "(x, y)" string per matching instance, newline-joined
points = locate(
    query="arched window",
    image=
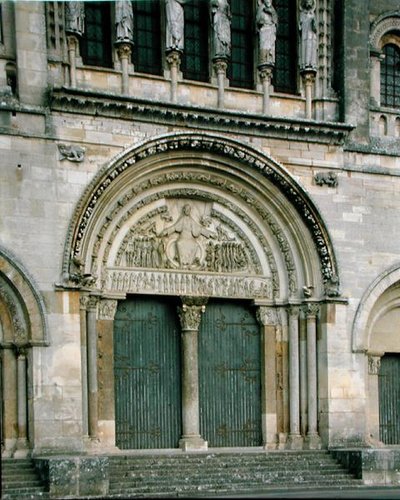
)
(390, 76)
(195, 65)
(147, 37)
(240, 69)
(96, 41)
(285, 74)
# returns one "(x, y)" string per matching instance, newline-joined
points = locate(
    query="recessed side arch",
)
(226, 182)
(22, 299)
(363, 318)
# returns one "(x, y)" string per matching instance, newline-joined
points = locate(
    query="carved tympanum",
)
(187, 242)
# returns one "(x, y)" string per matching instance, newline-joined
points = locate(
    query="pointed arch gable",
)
(21, 297)
(257, 191)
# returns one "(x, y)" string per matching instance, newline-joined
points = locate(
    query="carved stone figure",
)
(189, 230)
(267, 21)
(221, 28)
(308, 36)
(71, 152)
(328, 178)
(75, 18)
(175, 24)
(123, 22)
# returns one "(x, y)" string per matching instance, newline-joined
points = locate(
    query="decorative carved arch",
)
(232, 188)
(389, 21)
(22, 303)
(361, 330)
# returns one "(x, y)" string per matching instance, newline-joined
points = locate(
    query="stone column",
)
(92, 367)
(22, 403)
(220, 67)
(303, 376)
(174, 62)
(268, 320)
(83, 302)
(72, 44)
(295, 439)
(309, 82)
(374, 363)
(190, 316)
(124, 51)
(265, 72)
(375, 91)
(313, 440)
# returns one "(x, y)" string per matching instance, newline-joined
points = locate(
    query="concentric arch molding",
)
(197, 146)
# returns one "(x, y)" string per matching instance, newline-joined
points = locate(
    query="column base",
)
(312, 442)
(191, 443)
(22, 449)
(295, 442)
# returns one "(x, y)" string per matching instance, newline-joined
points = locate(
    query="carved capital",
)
(107, 309)
(83, 302)
(311, 310)
(190, 316)
(374, 364)
(21, 351)
(308, 77)
(72, 42)
(220, 66)
(173, 58)
(124, 50)
(294, 311)
(265, 71)
(267, 316)
(92, 302)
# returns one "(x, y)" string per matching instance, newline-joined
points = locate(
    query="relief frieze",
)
(186, 283)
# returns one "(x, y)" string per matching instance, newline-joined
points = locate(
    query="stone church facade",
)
(199, 231)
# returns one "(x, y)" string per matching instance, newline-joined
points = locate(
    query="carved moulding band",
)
(181, 283)
(193, 143)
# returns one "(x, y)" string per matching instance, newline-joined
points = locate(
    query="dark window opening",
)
(195, 64)
(240, 68)
(96, 48)
(147, 37)
(285, 73)
(390, 76)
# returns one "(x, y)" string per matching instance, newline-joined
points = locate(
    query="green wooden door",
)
(147, 374)
(230, 375)
(389, 399)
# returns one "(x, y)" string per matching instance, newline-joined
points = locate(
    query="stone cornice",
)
(217, 120)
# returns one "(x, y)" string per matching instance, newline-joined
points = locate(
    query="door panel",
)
(389, 399)
(230, 375)
(147, 374)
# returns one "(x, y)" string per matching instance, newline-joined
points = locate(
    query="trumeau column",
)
(267, 318)
(295, 439)
(92, 367)
(22, 413)
(190, 316)
(312, 440)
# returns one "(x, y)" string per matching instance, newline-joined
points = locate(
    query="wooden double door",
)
(147, 370)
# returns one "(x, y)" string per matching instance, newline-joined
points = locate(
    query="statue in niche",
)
(308, 36)
(123, 22)
(175, 24)
(221, 15)
(266, 21)
(75, 18)
(188, 229)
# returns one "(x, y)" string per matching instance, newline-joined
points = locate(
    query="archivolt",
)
(200, 165)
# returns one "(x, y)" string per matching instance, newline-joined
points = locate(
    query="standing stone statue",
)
(266, 21)
(75, 18)
(308, 36)
(221, 28)
(175, 24)
(123, 21)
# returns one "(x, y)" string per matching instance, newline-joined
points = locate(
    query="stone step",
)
(21, 480)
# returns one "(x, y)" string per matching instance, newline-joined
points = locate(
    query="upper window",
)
(286, 47)
(240, 69)
(147, 37)
(96, 41)
(390, 76)
(195, 56)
